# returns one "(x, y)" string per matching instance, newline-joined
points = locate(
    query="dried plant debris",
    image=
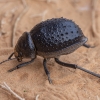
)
(6, 87)
(94, 25)
(5, 22)
(98, 97)
(41, 15)
(17, 20)
(84, 8)
(3, 25)
(49, 1)
(37, 97)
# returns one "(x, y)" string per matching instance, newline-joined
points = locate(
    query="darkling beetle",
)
(50, 39)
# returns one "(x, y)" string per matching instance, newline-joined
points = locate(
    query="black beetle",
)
(50, 39)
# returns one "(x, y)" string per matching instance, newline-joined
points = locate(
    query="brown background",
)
(29, 81)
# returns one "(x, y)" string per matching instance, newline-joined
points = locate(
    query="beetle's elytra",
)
(56, 37)
(50, 39)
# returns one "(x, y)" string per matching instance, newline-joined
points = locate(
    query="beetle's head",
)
(25, 47)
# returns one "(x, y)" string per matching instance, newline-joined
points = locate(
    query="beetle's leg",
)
(10, 56)
(21, 65)
(46, 70)
(88, 46)
(75, 66)
(65, 64)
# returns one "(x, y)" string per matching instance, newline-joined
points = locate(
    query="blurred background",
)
(18, 16)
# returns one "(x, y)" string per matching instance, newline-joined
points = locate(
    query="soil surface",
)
(18, 16)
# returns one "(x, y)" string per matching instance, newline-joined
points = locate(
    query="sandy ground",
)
(30, 81)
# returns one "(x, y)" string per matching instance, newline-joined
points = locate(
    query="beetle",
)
(50, 39)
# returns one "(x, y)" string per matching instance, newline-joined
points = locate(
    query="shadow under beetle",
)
(50, 39)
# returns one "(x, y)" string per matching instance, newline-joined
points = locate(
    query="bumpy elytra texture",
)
(55, 34)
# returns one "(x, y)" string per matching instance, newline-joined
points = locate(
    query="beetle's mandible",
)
(50, 39)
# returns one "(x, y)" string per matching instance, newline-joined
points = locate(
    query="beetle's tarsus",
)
(46, 70)
(88, 46)
(10, 70)
(88, 71)
(49, 79)
(17, 67)
(21, 65)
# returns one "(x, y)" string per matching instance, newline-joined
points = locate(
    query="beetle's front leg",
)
(46, 70)
(21, 65)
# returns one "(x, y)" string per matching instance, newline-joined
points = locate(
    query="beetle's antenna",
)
(7, 60)
(11, 55)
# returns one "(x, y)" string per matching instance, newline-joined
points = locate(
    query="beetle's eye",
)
(19, 59)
